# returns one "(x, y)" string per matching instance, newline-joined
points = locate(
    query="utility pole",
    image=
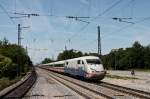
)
(27, 50)
(66, 52)
(99, 41)
(19, 35)
(19, 46)
(65, 48)
(19, 50)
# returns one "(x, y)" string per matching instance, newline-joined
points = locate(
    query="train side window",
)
(82, 62)
(66, 63)
(78, 62)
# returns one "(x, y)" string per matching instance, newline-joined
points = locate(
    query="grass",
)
(121, 77)
(5, 82)
(143, 70)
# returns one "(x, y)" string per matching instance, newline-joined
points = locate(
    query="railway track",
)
(109, 91)
(94, 90)
(20, 90)
(134, 92)
(85, 92)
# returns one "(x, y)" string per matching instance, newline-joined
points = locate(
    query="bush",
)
(7, 68)
(4, 82)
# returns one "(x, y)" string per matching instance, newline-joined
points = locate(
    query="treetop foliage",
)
(136, 56)
(9, 59)
(68, 54)
(47, 60)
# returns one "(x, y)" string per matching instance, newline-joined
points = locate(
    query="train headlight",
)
(93, 70)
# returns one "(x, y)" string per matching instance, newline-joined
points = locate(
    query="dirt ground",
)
(142, 83)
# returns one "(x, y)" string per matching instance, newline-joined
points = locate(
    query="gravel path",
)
(142, 83)
(98, 89)
(47, 88)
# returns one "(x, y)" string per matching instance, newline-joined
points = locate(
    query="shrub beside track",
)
(19, 89)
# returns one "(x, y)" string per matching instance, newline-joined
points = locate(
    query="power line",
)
(89, 7)
(81, 29)
(130, 25)
(126, 6)
(51, 7)
(5, 11)
(123, 20)
(132, 7)
(78, 18)
(23, 15)
(15, 5)
(108, 9)
(123, 28)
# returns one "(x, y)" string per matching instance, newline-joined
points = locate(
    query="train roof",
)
(53, 63)
(79, 58)
(84, 57)
(58, 62)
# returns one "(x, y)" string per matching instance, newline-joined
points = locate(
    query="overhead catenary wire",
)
(132, 7)
(144, 18)
(89, 8)
(123, 28)
(129, 26)
(82, 28)
(15, 7)
(106, 10)
(51, 7)
(5, 11)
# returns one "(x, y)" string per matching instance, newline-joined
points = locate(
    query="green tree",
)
(147, 57)
(7, 68)
(47, 60)
(68, 54)
(17, 54)
(137, 55)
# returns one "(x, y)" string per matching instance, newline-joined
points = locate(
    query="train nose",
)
(96, 75)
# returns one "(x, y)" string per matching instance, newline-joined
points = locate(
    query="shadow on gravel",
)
(62, 95)
(83, 79)
(80, 78)
(35, 95)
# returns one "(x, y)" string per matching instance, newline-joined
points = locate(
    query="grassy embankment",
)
(142, 70)
(5, 82)
(126, 77)
(121, 77)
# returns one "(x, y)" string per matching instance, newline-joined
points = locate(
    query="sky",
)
(51, 31)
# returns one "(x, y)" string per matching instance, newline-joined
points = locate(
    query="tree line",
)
(12, 55)
(135, 57)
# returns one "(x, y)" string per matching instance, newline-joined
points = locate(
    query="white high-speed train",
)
(89, 67)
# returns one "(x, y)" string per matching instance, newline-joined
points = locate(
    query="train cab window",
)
(93, 61)
(78, 62)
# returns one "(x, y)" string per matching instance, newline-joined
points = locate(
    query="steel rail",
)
(20, 90)
(91, 90)
(131, 91)
(117, 88)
